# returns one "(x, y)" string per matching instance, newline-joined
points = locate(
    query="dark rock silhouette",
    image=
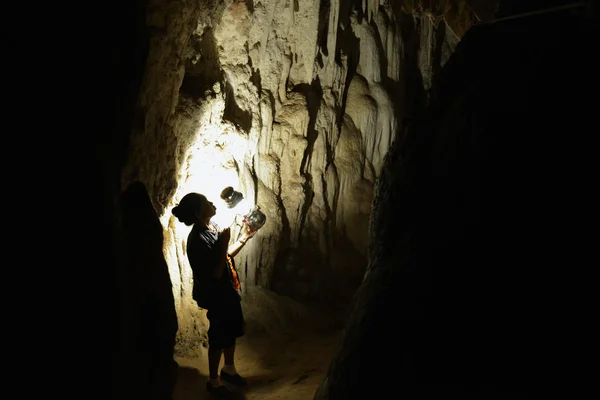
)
(149, 320)
(469, 225)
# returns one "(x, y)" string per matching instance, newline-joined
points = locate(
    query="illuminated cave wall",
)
(296, 103)
(490, 182)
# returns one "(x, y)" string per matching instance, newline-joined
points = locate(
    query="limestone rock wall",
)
(298, 102)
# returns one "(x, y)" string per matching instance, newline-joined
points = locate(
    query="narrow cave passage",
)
(378, 138)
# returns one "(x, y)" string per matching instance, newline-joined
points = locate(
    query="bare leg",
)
(232, 375)
(214, 359)
(229, 353)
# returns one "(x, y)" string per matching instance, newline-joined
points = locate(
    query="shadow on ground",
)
(191, 385)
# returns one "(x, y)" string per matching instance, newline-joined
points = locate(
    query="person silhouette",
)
(216, 285)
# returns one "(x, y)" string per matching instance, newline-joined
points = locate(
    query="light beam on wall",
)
(212, 163)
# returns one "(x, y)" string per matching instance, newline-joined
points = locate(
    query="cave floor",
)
(282, 367)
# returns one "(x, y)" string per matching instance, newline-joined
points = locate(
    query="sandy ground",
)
(276, 367)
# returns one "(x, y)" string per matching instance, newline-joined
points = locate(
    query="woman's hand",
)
(221, 247)
(247, 232)
(224, 237)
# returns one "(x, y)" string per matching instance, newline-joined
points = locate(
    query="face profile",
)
(206, 209)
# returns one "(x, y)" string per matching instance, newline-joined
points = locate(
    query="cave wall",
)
(127, 238)
(470, 268)
(315, 93)
(148, 319)
(551, 142)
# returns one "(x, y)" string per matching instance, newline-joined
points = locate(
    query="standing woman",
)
(216, 285)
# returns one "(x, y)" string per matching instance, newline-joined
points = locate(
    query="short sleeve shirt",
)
(203, 255)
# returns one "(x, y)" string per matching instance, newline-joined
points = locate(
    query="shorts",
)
(226, 324)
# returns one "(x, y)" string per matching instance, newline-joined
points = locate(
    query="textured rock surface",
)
(294, 102)
(491, 189)
(467, 225)
(147, 318)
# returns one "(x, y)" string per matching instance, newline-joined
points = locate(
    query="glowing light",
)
(212, 163)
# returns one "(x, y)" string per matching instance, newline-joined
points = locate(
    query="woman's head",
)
(194, 207)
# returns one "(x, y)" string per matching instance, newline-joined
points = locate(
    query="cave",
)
(417, 163)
